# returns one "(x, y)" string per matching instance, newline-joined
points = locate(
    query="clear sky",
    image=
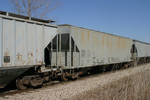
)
(128, 18)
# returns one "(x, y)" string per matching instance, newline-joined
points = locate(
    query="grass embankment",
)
(133, 87)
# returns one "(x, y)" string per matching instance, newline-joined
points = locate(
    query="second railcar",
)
(76, 47)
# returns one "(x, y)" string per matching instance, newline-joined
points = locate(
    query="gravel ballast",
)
(74, 88)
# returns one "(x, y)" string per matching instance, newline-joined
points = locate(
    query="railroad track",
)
(6, 91)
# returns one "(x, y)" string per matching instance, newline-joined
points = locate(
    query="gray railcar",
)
(22, 44)
(142, 51)
(80, 47)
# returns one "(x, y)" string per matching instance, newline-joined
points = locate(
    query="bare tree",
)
(34, 8)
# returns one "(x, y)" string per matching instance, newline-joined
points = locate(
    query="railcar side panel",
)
(143, 49)
(8, 42)
(23, 42)
(22, 46)
(39, 45)
(98, 48)
(1, 41)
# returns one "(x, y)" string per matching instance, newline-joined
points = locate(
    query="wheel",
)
(63, 77)
(20, 84)
(75, 76)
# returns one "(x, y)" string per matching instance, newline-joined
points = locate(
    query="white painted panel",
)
(23, 42)
(39, 48)
(35, 44)
(53, 61)
(8, 42)
(63, 58)
(14, 43)
(1, 40)
(20, 43)
(30, 44)
(49, 33)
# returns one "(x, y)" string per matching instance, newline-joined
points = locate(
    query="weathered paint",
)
(1, 41)
(118, 43)
(82, 37)
(23, 41)
(143, 49)
(98, 48)
(88, 36)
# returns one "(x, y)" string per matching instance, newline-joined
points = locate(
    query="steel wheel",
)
(20, 84)
(63, 77)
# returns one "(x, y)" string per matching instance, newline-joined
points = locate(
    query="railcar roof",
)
(104, 33)
(25, 17)
(141, 41)
(94, 30)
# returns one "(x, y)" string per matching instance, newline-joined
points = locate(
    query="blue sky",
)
(128, 18)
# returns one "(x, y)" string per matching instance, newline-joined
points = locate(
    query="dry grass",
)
(134, 87)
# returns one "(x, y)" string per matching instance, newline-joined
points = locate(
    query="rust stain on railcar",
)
(32, 54)
(39, 62)
(123, 43)
(94, 40)
(20, 58)
(111, 45)
(88, 36)
(6, 54)
(107, 42)
(103, 40)
(82, 37)
(118, 43)
(98, 39)
(30, 58)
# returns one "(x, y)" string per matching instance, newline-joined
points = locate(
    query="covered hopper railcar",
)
(22, 44)
(76, 49)
(141, 51)
(85, 47)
